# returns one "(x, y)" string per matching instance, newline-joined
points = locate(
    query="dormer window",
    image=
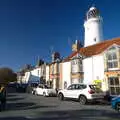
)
(112, 61)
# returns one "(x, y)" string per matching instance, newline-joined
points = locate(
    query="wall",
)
(93, 30)
(76, 70)
(93, 68)
(66, 74)
(47, 73)
(33, 75)
(27, 76)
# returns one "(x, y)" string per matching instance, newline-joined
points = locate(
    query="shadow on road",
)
(86, 114)
(24, 106)
(11, 95)
(15, 99)
(102, 102)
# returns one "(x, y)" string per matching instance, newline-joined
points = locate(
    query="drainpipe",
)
(92, 70)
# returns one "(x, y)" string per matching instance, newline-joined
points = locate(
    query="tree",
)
(7, 75)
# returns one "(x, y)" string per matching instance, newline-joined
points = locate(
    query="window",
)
(114, 85)
(71, 87)
(77, 86)
(114, 81)
(112, 59)
(95, 39)
(83, 86)
(80, 86)
(76, 65)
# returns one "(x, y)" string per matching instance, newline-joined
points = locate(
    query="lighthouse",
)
(93, 27)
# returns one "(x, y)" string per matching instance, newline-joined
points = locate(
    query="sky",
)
(35, 28)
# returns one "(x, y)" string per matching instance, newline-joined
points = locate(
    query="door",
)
(78, 88)
(70, 91)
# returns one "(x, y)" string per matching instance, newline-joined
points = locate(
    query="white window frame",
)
(111, 52)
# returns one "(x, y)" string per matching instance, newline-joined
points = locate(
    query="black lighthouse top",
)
(92, 13)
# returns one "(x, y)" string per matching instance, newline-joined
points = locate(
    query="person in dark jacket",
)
(29, 89)
(2, 97)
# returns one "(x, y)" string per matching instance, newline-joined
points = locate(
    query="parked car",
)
(21, 87)
(44, 90)
(12, 85)
(115, 102)
(81, 92)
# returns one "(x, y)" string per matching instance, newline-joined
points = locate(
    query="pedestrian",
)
(2, 97)
(29, 89)
(56, 90)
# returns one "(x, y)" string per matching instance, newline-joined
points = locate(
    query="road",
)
(23, 106)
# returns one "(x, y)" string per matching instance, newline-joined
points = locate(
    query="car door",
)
(39, 90)
(70, 90)
(78, 90)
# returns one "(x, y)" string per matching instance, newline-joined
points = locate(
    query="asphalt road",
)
(23, 106)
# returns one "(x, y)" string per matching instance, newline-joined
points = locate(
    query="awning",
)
(33, 79)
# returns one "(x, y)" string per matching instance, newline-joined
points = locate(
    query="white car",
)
(82, 92)
(44, 90)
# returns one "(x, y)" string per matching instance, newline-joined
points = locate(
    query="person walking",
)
(2, 97)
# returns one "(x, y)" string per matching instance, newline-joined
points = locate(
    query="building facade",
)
(54, 74)
(112, 69)
(65, 74)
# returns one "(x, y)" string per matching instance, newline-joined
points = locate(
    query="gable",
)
(112, 47)
(98, 48)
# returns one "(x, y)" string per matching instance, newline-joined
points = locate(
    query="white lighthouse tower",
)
(93, 27)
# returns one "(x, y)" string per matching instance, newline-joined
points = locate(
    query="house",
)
(100, 64)
(54, 70)
(65, 74)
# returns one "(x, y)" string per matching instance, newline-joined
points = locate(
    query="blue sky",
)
(32, 28)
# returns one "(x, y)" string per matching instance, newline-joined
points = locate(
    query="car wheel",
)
(82, 100)
(44, 94)
(118, 106)
(60, 96)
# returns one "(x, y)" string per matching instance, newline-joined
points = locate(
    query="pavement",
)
(23, 106)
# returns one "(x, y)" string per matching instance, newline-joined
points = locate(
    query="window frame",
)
(114, 88)
(112, 59)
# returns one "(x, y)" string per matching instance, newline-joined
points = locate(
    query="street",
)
(23, 106)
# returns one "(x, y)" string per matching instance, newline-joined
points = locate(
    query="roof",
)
(72, 55)
(94, 49)
(99, 47)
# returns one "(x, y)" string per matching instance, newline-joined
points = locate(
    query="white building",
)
(93, 64)
(65, 74)
(47, 74)
(101, 62)
(93, 27)
(100, 59)
(34, 75)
